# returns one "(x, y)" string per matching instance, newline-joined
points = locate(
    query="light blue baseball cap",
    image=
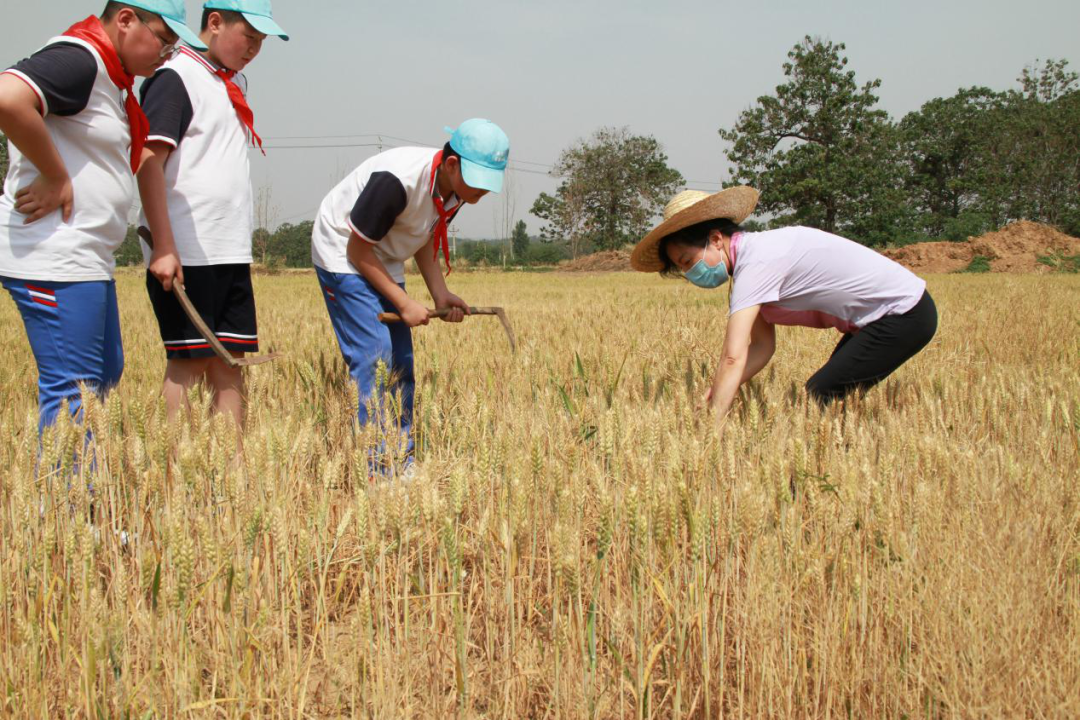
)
(174, 15)
(256, 12)
(484, 150)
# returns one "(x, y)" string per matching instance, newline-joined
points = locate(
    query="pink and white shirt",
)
(802, 276)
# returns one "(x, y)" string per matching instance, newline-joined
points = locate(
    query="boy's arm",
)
(164, 261)
(22, 122)
(436, 284)
(362, 256)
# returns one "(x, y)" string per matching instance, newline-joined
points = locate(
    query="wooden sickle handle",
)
(394, 317)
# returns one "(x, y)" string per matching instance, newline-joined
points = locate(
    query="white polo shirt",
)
(85, 117)
(208, 173)
(387, 201)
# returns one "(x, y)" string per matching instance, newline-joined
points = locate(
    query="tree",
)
(504, 211)
(3, 157)
(820, 151)
(260, 244)
(130, 251)
(981, 159)
(292, 243)
(613, 185)
(944, 145)
(1033, 168)
(520, 241)
(266, 212)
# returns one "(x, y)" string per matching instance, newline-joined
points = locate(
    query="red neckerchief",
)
(236, 95)
(441, 234)
(92, 31)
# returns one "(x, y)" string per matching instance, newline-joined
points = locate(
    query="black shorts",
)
(864, 359)
(222, 294)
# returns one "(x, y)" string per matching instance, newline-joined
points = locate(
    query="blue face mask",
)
(707, 276)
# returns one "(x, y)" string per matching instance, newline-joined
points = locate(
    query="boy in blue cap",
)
(76, 135)
(195, 185)
(395, 206)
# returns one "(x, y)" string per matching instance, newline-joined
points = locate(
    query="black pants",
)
(864, 359)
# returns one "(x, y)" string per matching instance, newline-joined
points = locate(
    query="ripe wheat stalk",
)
(578, 543)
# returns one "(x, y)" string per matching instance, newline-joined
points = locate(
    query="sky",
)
(360, 75)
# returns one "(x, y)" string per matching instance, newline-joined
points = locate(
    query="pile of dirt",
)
(606, 261)
(1015, 248)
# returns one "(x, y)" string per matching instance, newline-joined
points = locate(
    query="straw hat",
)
(689, 208)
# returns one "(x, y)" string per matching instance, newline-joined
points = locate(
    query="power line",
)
(332, 146)
(515, 164)
(327, 147)
(339, 146)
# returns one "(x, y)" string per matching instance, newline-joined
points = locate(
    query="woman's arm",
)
(362, 256)
(762, 347)
(733, 362)
(436, 284)
(21, 121)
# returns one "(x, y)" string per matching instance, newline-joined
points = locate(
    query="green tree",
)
(944, 144)
(130, 251)
(520, 241)
(613, 185)
(820, 150)
(292, 243)
(1033, 161)
(260, 244)
(3, 157)
(981, 159)
(547, 253)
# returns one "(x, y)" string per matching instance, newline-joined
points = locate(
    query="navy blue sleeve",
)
(167, 105)
(381, 201)
(65, 73)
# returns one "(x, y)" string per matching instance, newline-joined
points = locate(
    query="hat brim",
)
(265, 25)
(480, 177)
(735, 204)
(186, 34)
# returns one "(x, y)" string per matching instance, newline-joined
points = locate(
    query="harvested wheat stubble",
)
(1015, 248)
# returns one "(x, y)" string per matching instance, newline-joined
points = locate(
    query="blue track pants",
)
(74, 333)
(354, 306)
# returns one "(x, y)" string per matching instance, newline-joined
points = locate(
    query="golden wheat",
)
(578, 543)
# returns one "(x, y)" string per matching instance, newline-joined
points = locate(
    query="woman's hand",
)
(167, 270)
(413, 313)
(458, 307)
(42, 196)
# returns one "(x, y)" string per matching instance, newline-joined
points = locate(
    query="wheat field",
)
(578, 543)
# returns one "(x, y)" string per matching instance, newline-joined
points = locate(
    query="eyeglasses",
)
(169, 50)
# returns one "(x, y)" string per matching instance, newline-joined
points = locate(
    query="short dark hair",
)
(696, 236)
(112, 9)
(449, 152)
(229, 16)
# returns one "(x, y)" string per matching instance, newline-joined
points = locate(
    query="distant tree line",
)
(825, 155)
(289, 246)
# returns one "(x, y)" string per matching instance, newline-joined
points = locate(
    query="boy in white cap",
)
(76, 135)
(395, 206)
(195, 185)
